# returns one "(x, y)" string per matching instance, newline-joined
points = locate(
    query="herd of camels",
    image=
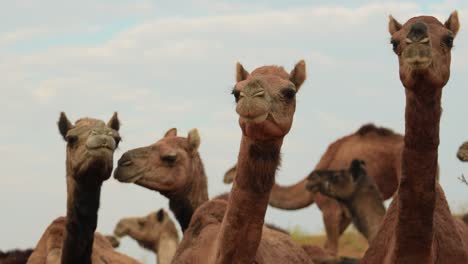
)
(349, 184)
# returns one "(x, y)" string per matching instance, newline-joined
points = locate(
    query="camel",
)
(72, 239)
(233, 231)
(173, 167)
(355, 190)
(418, 226)
(462, 153)
(155, 232)
(15, 256)
(378, 146)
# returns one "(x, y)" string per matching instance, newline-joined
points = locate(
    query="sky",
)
(164, 64)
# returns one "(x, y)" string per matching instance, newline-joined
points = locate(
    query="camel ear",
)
(193, 139)
(298, 74)
(452, 23)
(241, 73)
(171, 132)
(160, 215)
(230, 174)
(393, 25)
(64, 125)
(114, 122)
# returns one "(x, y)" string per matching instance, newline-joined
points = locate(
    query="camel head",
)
(423, 45)
(230, 174)
(147, 230)
(266, 100)
(163, 166)
(90, 147)
(462, 153)
(338, 184)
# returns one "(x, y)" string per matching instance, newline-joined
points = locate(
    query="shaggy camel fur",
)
(15, 256)
(155, 232)
(233, 231)
(90, 149)
(377, 146)
(418, 226)
(356, 190)
(173, 167)
(462, 153)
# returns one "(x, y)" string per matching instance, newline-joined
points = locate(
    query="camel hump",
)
(368, 128)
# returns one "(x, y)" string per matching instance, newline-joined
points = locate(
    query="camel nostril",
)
(125, 160)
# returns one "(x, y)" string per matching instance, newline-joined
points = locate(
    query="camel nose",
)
(418, 32)
(125, 160)
(253, 89)
(100, 141)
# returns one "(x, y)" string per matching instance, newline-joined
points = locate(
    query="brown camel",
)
(418, 226)
(173, 167)
(233, 231)
(355, 190)
(155, 232)
(377, 146)
(462, 153)
(90, 149)
(15, 256)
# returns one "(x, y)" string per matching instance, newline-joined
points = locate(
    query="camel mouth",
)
(418, 63)
(255, 120)
(122, 176)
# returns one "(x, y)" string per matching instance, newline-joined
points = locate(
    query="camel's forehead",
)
(429, 20)
(271, 70)
(172, 142)
(90, 122)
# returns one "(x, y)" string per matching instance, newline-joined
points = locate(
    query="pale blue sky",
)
(166, 64)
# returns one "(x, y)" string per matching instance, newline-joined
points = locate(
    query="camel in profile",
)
(155, 232)
(72, 239)
(418, 226)
(378, 146)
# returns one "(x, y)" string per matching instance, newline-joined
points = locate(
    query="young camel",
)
(354, 189)
(173, 167)
(155, 232)
(418, 226)
(378, 146)
(462, 153)
(233, 231)
(90, 149)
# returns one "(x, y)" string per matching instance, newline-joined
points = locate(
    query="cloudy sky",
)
(164, 64)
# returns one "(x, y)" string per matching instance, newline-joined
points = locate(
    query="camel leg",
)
(333, 220)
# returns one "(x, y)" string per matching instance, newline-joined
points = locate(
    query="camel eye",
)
(72, 139)
(236, 94)
(288, 93)
(448, 40)
(395, 44)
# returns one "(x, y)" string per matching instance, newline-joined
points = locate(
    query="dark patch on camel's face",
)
(162, 166)
(423, 45)
(462, 153)
(90, 146)
(368, 128)
(266, 100)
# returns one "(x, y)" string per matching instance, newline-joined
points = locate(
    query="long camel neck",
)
(183, 204)
(82, 209)
(241, 229)
(166, 247)
(417, 190)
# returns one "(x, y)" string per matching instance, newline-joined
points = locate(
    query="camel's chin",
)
(265, 130)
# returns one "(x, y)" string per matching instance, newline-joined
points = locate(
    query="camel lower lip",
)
(256, 120)
(418, 63)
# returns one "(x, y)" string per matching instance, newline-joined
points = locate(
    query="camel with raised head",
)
(418, 226)
(233, 231)
(172, 166)
(378, 146)
(72, 239)
(155, 232)
(356, 191)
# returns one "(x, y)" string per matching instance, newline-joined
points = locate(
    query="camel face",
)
(462, 153)
(90, 146)
(423, 45)
(146, 230)
(266, 100)
(162, 166)
(339, 184)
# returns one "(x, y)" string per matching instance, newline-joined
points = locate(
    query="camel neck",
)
(417, 193)
(183, 204)
(82, 209)
(241, 229)
(367, 211)
(166, 248)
